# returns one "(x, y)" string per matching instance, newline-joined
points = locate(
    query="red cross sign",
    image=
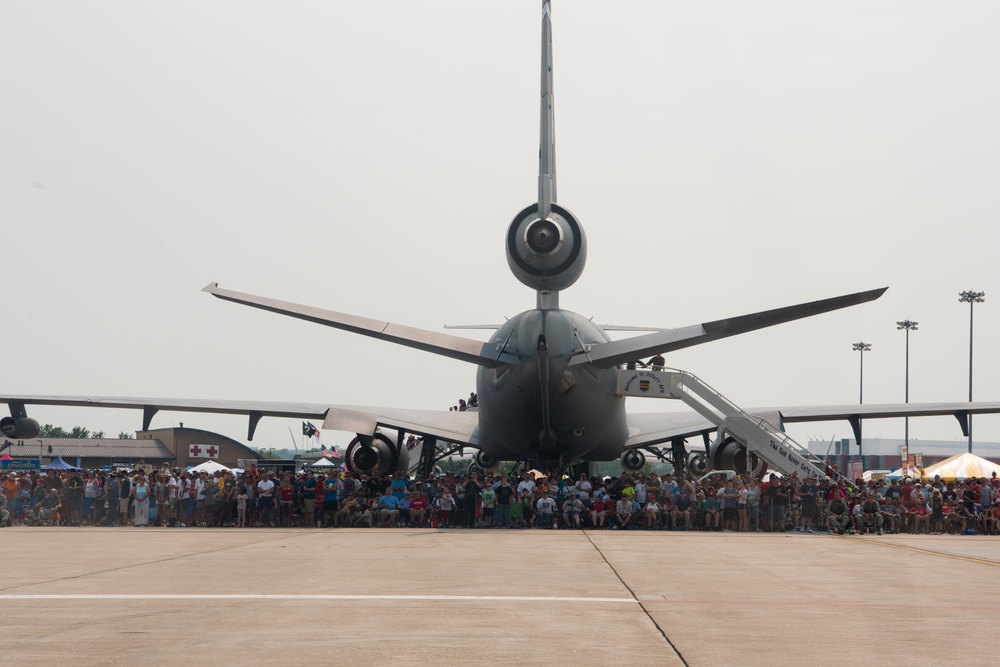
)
(213, 452)
(194, 450)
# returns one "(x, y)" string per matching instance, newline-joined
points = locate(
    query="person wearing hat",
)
(10, 489)
(837, 515)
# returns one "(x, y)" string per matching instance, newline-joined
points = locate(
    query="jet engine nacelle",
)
(376, 454)
(697, 465)
(633, 460)
(19, 427)
(546, 254)
(731, 455)
(485, 461)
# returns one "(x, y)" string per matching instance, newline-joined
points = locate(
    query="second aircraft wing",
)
(652, 428)
(457, 427)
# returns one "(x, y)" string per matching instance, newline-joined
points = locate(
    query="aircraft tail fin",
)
(547, 132)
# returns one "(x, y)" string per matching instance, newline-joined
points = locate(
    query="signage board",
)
(21, 464)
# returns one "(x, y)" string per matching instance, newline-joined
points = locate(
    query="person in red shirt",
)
(906, 493)
(921, 517)
(418, 510)
(598, 512)
(286, 496)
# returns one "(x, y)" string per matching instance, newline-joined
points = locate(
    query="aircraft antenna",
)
(547, 133)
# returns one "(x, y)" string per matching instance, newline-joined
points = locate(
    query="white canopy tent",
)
(209, 467)
(962, 466)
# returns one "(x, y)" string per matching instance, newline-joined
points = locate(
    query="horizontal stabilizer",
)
(455, 347)
(606, 327)
(618, 352)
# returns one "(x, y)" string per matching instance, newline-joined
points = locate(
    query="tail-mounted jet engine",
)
(376, 454)
(731, 455)
(633, 460)
(485, 461)
(549, 253)
(19, 428)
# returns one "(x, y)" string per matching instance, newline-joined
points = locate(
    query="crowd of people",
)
(643, 501)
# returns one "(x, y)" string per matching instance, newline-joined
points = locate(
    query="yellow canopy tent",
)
(962, 466)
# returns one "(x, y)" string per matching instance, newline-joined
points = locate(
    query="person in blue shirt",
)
(332, 487)
(398, 486)
(388, 505)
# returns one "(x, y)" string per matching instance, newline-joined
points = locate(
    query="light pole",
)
(971, 298)
(861, 347)
(908, 326)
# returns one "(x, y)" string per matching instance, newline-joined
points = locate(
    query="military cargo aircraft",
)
(549, 381)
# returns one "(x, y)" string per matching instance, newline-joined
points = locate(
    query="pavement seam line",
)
(642, 606)
(292, 596)
(918, 550)
(125, 567)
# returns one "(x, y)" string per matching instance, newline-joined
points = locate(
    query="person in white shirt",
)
(265, 498)
(640, 491)
(546, 507)
(623, 513)
(651, 512)
(526, 484)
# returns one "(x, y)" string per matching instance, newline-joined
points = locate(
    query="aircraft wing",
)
(457, 427)
(254, 410)
(455, 347)
(651, 428)
(606, 355)
(461, 428)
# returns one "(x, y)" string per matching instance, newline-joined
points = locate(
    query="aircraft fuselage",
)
(586, 418)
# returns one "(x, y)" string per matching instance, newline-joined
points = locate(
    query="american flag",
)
(332, 453)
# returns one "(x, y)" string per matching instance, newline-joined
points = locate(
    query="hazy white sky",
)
(723, 157)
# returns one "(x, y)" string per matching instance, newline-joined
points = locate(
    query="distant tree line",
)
(50, 431)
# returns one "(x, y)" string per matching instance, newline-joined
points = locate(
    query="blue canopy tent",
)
(59, 464)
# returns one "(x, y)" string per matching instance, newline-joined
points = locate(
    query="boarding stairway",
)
(755, 433)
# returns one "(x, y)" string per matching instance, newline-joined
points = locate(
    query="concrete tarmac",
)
(152, 596)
